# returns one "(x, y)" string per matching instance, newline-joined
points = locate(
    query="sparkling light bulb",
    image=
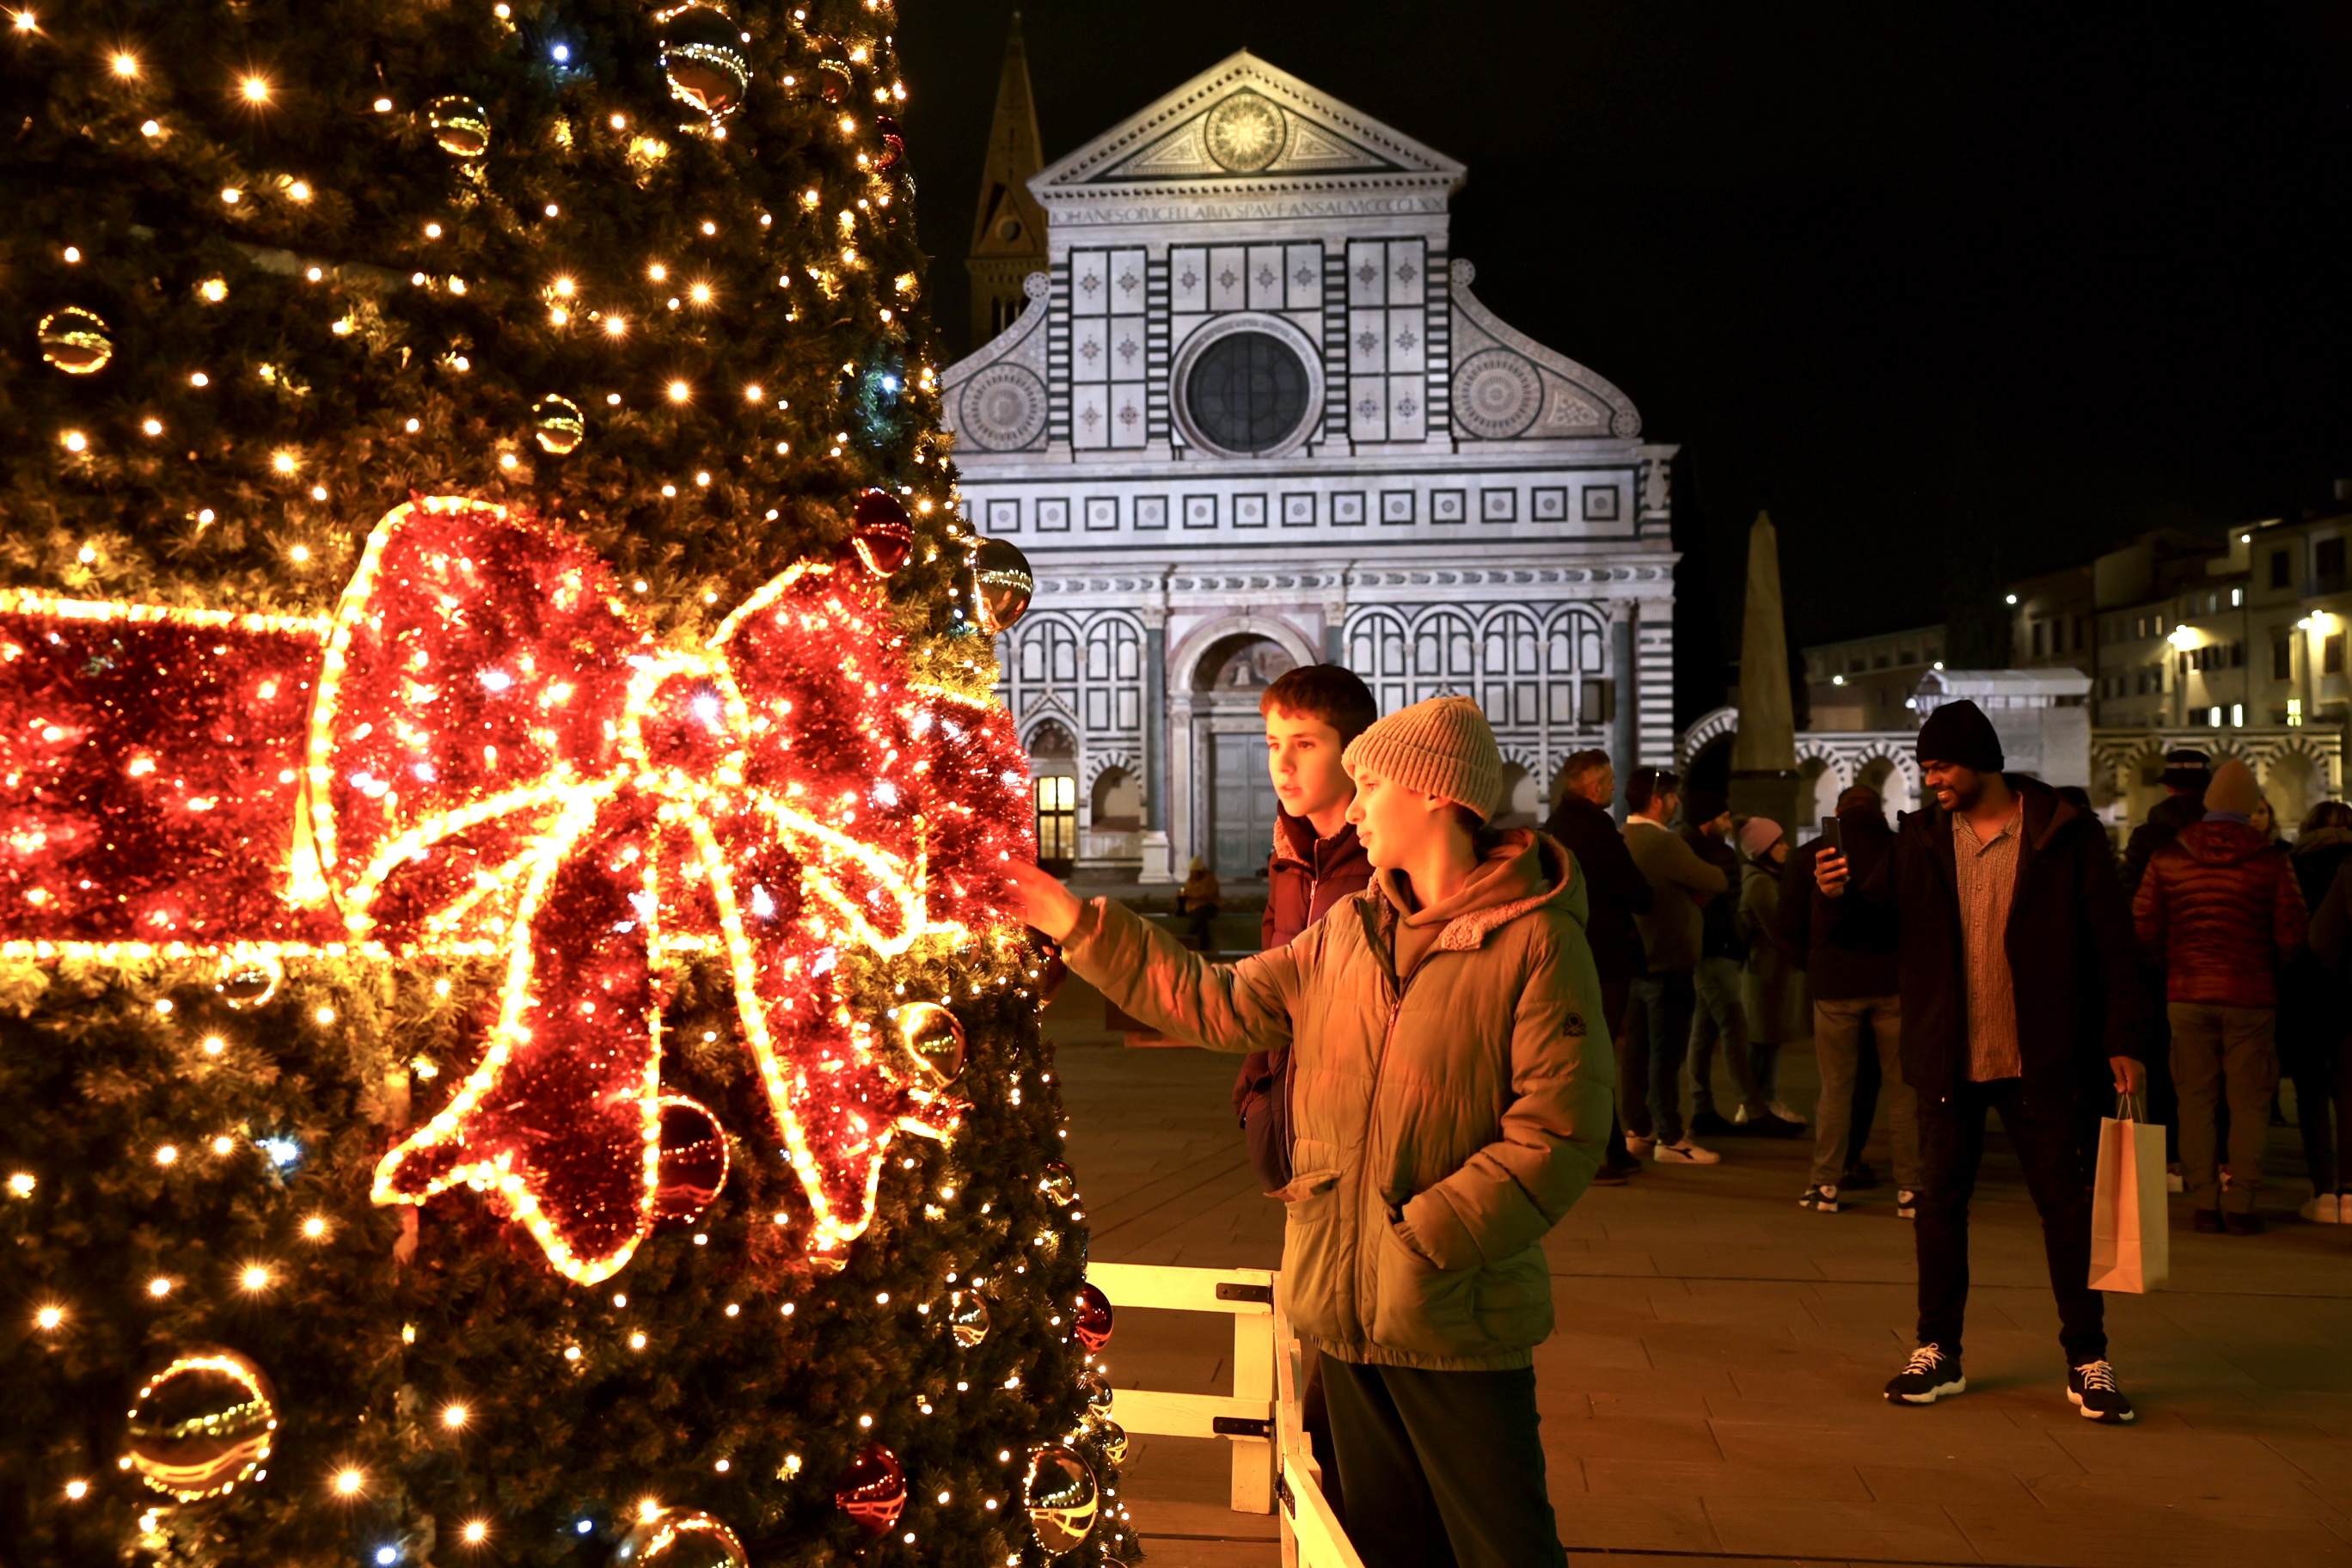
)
(256, 89)
(254, 1278)
(348, 1482)
(49, 1317)
(126, 65)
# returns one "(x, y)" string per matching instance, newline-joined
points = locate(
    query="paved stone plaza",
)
(1712, 1392)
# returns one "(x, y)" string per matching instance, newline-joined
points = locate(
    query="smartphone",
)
(1832, 836)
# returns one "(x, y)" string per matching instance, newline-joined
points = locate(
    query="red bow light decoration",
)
(500, 758)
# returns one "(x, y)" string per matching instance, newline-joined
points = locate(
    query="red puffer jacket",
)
(2221, 910)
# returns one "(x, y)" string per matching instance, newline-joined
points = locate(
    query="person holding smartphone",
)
(1857, 1012)
(2021, 995)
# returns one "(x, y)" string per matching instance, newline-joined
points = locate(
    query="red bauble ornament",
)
(1045, 958)
(894, 144)
(884, 539)
(1093, 1323)
(872, 1491)
(693, 1161)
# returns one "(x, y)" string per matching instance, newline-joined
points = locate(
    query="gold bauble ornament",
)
(1060, 1184)
(933, 1036)
(201, 1425)
(247, 980)
(702, 56)
(968, 1318)
(1095, 1389)
(679, 1537)
(1110, 1437)
(76, 340)
(558, 424)
(1001, 585)
(1063, 1497)
(461, 125)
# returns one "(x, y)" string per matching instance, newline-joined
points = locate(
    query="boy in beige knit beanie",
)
(1451, 1080)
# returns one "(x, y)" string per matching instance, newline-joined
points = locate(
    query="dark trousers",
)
(1650, 1091)
(2323, 1084)
(2057, 1144)
(1615, 1001)
(1315, 1416)
(1443, 1470)
(1869, 1078)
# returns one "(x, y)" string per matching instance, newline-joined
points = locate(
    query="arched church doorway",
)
(1230, 676)
(1054, 795)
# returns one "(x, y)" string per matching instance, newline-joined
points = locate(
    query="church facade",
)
(1255, 415)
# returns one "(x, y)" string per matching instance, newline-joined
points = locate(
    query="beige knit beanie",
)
(1440, 747)
(2232, 789)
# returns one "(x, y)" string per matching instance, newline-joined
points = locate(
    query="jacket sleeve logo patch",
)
(1573, 1026)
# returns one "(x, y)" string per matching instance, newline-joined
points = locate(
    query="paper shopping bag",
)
(2131, 1240)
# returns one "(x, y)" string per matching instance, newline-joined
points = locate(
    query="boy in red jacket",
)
(2223, 915)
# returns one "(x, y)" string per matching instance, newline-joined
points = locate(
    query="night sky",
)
(1958, 292)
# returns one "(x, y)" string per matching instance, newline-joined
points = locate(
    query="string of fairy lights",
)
(795, 809)
(706, 61)
(941, 759)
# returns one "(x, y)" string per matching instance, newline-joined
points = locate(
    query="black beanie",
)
(1960, 733)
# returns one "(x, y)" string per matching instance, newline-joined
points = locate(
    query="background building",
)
(1867, 683)
(1258, 417)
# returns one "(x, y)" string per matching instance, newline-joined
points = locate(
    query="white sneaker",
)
(1686, 1154)
(2325, 1209)
(1637, 1145)
(1785, 1114)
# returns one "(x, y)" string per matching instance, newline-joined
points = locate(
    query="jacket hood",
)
(2324, 838)
(1523, 870)
(2222, 843)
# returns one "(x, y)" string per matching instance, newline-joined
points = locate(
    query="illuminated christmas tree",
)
(513, 1051)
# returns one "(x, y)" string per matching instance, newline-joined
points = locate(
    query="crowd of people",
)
(1712, 928)
(1424, 1084)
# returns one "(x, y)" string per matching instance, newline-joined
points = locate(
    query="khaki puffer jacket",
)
(1441, 1126)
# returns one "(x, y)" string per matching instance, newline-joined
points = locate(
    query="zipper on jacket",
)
(1372, 1106)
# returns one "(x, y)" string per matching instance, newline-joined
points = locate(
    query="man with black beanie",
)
(2018, 996)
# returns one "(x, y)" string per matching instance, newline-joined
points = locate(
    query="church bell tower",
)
(1008, 239)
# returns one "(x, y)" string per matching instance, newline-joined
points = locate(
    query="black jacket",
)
(1840, 965)
(2312, 1011)
(1614, 889)
(2165, 821)
(2079, 999)
(1718, 918)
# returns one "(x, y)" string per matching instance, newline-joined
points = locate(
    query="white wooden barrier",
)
(1246, 1419)
(1272, 1460)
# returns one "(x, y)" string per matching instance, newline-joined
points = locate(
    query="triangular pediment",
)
(1244, 120)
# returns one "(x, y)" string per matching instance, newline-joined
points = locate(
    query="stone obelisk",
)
(1764, 777)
